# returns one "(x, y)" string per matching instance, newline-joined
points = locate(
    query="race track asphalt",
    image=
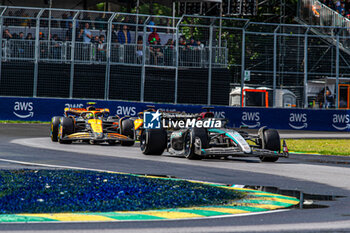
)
(308, 173)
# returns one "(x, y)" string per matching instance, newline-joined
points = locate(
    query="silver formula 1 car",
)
(197, 143)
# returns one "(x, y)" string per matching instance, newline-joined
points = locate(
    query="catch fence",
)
(134, 57)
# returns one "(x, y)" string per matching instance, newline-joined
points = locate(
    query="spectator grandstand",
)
(56, 34)
(188, 59)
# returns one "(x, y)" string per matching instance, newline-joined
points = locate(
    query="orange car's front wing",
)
(91, 136)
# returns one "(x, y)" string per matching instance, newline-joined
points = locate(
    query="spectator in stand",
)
(124, 36)
(169, 52)
(151, 23)
(19, 45)
(154, 36)
(101, 49)
(96, 40)
(139, 49)
(69, 32)
(29, 49)
(41, 36)
(182, 50)
(200, 45)
(21, 36)
(343, 12)
(170, 43)
(337, 3)
(191, 55)
(86, 34)
(114, 34)
(192, 43)
(29, 36)
(7, 35)
(341, 7)
(182, 41)
(56, 47)
(329, 99)
(156, 52)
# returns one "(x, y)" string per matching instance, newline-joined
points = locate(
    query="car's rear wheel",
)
(55, 122)
(127, 129)
(195, 136)
(66, 127)
(153, 141)
(271, 141)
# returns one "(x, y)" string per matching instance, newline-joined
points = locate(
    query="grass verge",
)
(320, 146)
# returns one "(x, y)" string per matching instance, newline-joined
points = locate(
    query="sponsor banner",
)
(43, 109)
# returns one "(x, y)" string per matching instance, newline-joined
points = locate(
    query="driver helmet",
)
(89, 115)
(91, 108)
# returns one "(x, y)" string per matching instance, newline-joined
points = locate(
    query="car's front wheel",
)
(55, 122)
(153, 141)
(66, 127)
(271, 141)
(127, 129)
(195, 136)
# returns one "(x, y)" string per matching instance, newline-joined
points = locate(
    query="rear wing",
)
(79, 111)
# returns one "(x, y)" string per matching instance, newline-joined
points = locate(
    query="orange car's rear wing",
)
(78, 111)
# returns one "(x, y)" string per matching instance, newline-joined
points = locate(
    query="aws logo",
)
(251, 119)
(23, 109)
(343, 120)
(126, 111)
(67, 105)
(219, 114)
(298, 120)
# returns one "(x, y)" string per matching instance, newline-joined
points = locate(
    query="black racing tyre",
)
(55, 122)
(127, 129)
(153, 141)
(271, 142)
(66, 127)
(199, 134)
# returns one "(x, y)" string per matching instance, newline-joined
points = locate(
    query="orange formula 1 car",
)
(92, 125)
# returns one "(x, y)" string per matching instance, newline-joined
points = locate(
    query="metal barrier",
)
(160, 55)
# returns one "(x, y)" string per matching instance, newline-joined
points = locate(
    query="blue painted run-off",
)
(42, 109)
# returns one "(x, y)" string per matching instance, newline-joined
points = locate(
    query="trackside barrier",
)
(42, 109)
